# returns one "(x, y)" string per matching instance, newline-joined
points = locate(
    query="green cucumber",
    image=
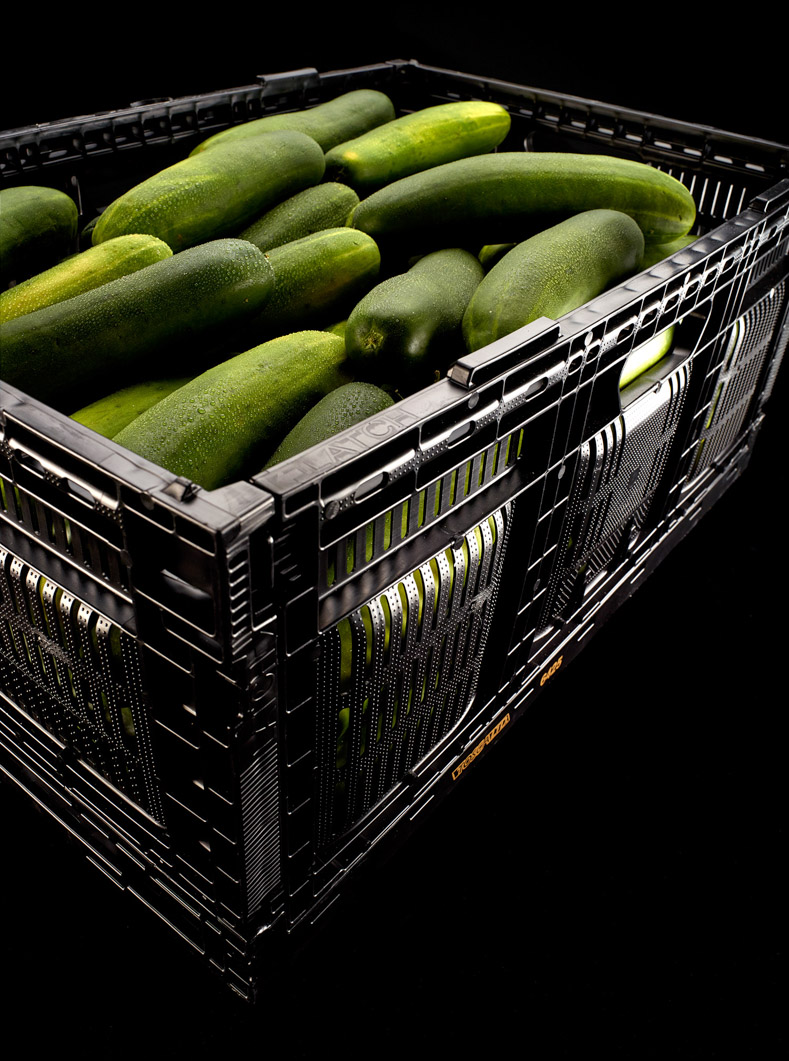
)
(136, 326)
(416, 142)
(82, 272)
(506, 196)
(108, 415)
(316, 279)
(327, 123)
(645, 355)
(552, 273)
(215, 194)
(38, 227)
(338, 410)
(86, 233)
(228, 420)
(408, 327)
(327, 205)
(656, 252)
(492, 253)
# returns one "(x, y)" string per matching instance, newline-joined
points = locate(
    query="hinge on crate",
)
(511, 350)
(181, 488)
(303, 81)
(772, 199)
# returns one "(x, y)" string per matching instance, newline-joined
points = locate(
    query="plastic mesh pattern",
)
(730, 407)
(400, 672)
(259, 799)
(351, 553)
(98, 552)
(78, 675)
(619, 472)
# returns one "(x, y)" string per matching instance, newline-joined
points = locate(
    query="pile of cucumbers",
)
(295, 274)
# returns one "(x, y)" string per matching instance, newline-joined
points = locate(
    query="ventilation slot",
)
(353, 552)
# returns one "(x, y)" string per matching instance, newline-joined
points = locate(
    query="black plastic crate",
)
(233, 698)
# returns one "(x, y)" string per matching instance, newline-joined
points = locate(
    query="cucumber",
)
(38, 227)
(552, 273)
(416, 142)
(82, 272)
(85, 239)
(227, 421)
(136, 326)
(492, 253)
(408, 327)
(215, 194)
(645, 355)
(327, 123)
(507, 196)
(327, 205)
(108, 415)
(656, 252)
(338, 410)
(316, 279)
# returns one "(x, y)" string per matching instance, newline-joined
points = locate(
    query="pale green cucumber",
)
(108, 415)
(317, 278)
(217, 193)
(38, 227)
(327, 205)
(139, 325)
(645, 355)
(327, 123)
(416, 142)
(506, 196)
(552, 273)
(227, 421)
(338, 410)
(82, 272)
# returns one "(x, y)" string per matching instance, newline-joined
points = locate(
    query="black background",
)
(609, 879)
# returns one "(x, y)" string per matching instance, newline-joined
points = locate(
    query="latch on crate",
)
(510, 351)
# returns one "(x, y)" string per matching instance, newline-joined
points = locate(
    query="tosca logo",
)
(551, 670)
(480, 747)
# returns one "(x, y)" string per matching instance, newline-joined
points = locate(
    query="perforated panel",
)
(78, 675)
(386, 700)
(619, 471)
(736, 385)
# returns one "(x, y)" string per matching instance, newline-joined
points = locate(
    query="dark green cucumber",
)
(108, 415)
(38, 227)
(317, 278)
(139, 325)
(215, 194)
(227, 421)
(338, 410)
(327, 123)
(552, 273)
(408, 327)
(506, 196)
(416, 142)
(85, 239)
(327, 205)
(82, 272)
